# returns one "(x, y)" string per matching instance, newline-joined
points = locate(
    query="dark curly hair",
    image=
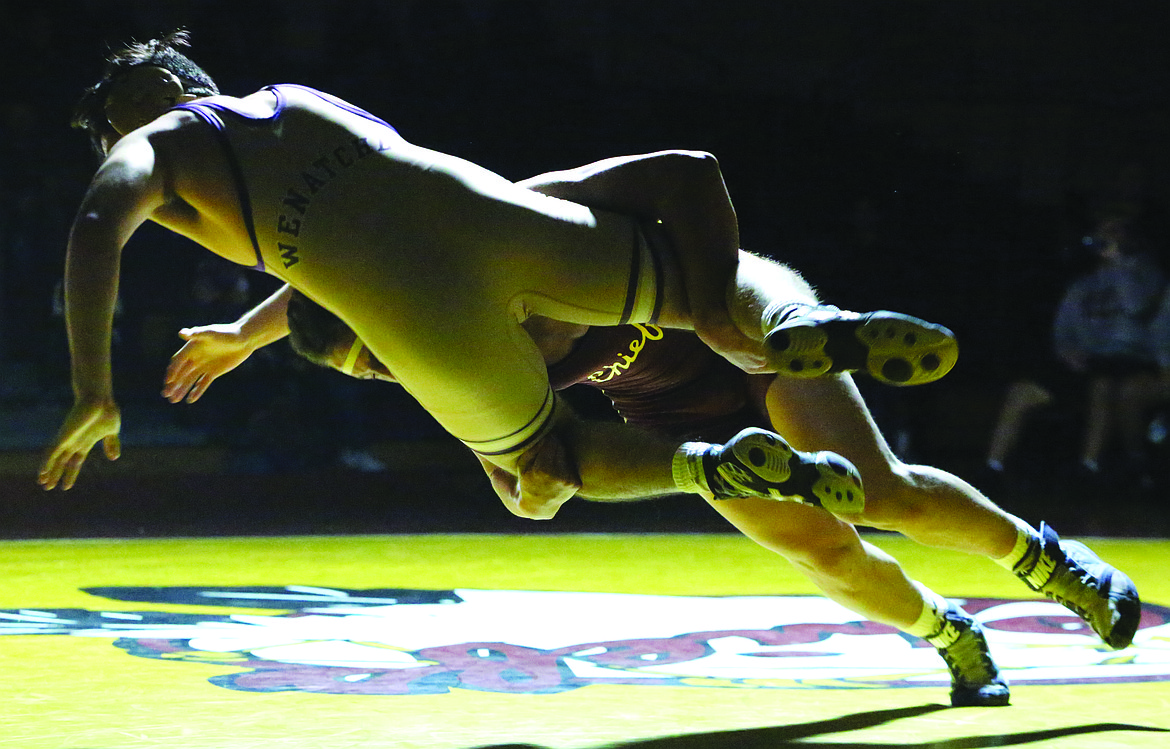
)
(90, 112)
(314, 331)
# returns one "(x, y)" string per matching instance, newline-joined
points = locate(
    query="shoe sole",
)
(892, 348)
(964, 697)
(994, 693)
(823, 479)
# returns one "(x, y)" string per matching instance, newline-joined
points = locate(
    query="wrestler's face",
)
(365, 366)
(137, 97)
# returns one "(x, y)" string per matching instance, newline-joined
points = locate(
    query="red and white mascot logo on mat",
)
(386, 642)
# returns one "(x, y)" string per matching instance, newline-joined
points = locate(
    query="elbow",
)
(684, 175)
(691, 164)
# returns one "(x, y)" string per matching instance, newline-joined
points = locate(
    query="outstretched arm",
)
(123, 194)
(685, 190)
(211, 351)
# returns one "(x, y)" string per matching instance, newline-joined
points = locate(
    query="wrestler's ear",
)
(142, 94)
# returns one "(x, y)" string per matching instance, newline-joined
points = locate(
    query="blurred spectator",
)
(1149, 401)
(1160, 337)
(1103, 354)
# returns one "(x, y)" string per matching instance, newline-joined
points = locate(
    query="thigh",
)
(471, 366)
(619, 271)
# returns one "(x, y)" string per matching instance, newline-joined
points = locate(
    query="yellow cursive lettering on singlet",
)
(610, 371)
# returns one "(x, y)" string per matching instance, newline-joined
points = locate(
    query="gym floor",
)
(454, 641)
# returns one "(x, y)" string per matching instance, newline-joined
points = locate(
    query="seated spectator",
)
(1103, 356)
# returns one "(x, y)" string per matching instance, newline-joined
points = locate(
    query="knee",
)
(1026, 395)
(895, 494)
(707, 165)
(835, 558)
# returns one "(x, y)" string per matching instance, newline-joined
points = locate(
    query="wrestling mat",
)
(549, 641)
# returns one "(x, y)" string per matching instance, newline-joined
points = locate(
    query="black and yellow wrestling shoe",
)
(807, 341)
(1070, 573)
(975, 679)
(759, 463)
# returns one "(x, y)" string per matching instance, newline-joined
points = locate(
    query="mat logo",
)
(400, 642)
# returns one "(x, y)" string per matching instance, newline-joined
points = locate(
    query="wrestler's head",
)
(323, 338)
(139, 83)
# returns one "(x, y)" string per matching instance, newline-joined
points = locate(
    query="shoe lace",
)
(968, 658)
(1067, 581)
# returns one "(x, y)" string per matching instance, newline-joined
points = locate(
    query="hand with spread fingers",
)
(210, 352)
(88, 423)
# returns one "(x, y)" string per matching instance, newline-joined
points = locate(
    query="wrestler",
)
(667, 382)
(435, 261)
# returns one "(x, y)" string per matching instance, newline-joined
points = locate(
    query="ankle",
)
(931, 622)
(688, 469)
(777, 312)
(1024, 552)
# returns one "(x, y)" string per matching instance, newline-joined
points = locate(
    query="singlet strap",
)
(328, 98)
(211, 116)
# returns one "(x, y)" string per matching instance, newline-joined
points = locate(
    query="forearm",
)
(267, 322)
(92, 266)
(123, 194)
(618, 463)
(598, 461)
(683, 189)
(701, 223)
(211, 351)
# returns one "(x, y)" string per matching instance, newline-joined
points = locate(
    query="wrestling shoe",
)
(758, 463)
(814, 340)
(1069, 573)
(975, 679)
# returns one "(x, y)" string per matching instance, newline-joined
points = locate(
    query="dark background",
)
(938, 158)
